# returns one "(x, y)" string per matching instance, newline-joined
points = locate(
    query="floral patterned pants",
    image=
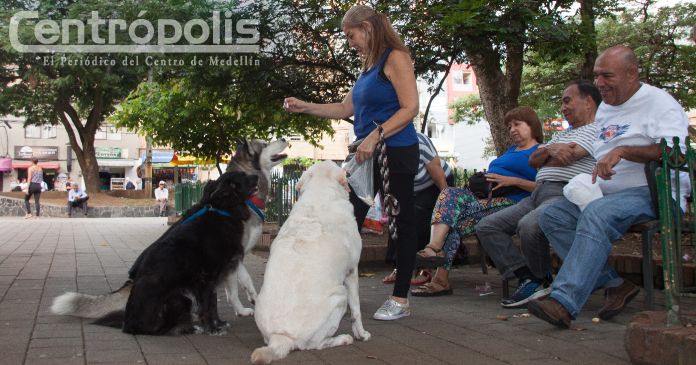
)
(459, 209)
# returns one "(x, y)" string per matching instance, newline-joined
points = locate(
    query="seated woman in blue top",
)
(386, 94)
(458, 210)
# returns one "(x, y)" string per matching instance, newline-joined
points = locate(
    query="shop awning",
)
(118, 162)
(159, 157)
(193, 160)
(44, 165)
(162, 165)
(5, 164)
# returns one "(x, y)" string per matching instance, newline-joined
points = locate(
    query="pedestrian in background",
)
(35, 174)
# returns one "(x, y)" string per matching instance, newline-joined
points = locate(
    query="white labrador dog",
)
(312, 272)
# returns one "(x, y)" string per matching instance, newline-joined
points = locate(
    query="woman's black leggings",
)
(35, 190)
(403, 163)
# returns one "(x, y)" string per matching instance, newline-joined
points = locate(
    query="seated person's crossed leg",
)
(454, 217)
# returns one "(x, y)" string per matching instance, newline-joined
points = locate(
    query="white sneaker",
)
(27, 216)
(392, 310)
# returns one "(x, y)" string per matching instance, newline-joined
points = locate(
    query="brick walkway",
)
(40, 259)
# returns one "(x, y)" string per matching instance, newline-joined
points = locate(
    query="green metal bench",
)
(674, 222)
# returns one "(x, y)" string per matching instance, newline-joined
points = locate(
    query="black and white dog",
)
(253, 157)
(178, 273)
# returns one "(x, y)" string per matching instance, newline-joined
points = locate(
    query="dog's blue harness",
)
(206, 209)
(224, 213)
(256, 209)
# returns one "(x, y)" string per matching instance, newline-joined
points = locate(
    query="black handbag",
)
(483, 189)
(479, 186)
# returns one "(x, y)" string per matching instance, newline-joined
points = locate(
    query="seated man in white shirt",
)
(162, 197)
(77, 198)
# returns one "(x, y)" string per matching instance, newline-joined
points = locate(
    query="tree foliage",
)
(56, 88)
(467, 109)
(659, 37)
(206, 120)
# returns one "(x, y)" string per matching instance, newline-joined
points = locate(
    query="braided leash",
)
(391, 205)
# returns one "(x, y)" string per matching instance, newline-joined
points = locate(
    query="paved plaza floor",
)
(42, 258)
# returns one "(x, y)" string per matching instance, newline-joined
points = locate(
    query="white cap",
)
(161, 182)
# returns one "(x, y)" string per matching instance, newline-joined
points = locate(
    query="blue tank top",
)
(374, 99)
(515, 163)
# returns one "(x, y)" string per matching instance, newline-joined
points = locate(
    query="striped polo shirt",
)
(583, 136)
(428, 152)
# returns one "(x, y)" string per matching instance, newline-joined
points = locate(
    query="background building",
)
(116, 152)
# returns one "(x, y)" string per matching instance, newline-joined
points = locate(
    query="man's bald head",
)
(616, 74)
(621, 53)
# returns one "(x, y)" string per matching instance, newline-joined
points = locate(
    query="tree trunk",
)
(589, 38)
(82, 136)
(89, 166)
(498, 90)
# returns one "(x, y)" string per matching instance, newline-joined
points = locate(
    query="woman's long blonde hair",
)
(380, 33)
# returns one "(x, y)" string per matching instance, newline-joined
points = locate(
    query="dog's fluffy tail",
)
(92, 306)
(278, 347)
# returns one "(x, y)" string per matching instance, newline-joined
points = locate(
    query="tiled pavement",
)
(42, 258)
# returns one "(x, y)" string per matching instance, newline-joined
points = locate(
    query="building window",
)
(108, 132)
(40, 131)
(461, 81)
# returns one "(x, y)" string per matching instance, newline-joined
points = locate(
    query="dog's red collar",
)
(258, 202)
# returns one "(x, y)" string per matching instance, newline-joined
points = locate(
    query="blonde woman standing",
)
(385, 94)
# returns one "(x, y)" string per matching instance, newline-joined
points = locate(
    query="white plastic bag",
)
(581, 191)
(360, 179)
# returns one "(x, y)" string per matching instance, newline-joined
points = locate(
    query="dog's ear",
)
(343, 179)
(242, 145)
(208, 190)
(303, 179)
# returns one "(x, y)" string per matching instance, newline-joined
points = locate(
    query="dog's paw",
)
(362, 335)
(245, 312)
(251, 293)
(343, 340)
(198, 329)
(222, 324)
(218, 331)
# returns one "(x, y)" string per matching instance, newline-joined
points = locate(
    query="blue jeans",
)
(584, 240)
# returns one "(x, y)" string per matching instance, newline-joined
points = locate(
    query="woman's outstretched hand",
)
(295, 105)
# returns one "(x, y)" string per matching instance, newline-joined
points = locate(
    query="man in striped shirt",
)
(566, 155)
(433, 175)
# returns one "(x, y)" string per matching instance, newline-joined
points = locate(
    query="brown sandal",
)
(431, 289)
(430, 261)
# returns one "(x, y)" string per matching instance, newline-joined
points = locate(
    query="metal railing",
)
(186, 195)
(282, 193)
(282, 196)
(674, 222)
(461, 176)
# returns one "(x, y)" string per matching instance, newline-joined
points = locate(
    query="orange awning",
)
(44, 165)
(192, 160)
